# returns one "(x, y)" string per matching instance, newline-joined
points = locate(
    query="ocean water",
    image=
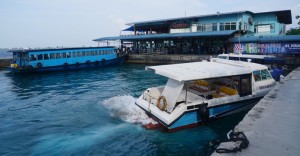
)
(91, 112)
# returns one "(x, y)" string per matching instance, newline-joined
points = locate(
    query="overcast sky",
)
(72, 23)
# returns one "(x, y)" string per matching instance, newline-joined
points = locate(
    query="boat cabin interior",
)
(201, 90)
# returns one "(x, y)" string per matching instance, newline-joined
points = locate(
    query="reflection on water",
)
(82, 112)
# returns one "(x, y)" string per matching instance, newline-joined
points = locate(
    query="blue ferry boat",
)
(42, 60)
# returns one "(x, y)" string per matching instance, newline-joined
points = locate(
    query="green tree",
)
(294, 31)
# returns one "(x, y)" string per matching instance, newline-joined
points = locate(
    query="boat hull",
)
(190, 119)
(115, 61)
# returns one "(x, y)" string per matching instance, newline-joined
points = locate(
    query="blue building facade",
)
(209, 34)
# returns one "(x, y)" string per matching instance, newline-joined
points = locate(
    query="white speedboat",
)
(198, 92)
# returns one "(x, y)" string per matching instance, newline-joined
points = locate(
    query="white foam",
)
(124, 108)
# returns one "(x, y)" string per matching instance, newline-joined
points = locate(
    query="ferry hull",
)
(115, 61)
(192, 119)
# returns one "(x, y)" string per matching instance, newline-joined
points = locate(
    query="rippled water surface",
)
(91, 112)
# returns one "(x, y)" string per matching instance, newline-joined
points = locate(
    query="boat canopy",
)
(206, 70)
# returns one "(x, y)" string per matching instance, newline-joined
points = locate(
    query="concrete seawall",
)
(165, 59)
(4, 62)
(273, 125)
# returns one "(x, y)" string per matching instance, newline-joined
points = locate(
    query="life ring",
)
(39, 65)
(160, 105)
(88, 62)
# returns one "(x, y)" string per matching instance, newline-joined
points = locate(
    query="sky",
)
(75, 23)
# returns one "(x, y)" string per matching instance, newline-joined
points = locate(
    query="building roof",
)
(283, 16)
(206, 70)
(56, 49)
(173, 35)
(285, 38)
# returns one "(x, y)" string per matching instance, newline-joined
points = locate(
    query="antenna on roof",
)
(185, 8)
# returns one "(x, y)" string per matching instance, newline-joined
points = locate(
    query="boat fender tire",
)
(88, 62)
(204, 113)
(66, 65)
(103, 61)
(160, 105)
(29, 67)
(77, 64)
(39, 65)
(96, 62)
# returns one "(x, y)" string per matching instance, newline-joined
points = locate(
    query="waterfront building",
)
(242, 31)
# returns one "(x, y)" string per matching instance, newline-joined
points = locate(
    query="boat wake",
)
(124, 108)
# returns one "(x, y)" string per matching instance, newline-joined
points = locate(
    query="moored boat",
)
(199, 92)
(270, 60)
(43, 60)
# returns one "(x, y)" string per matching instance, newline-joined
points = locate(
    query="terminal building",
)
(239, 32)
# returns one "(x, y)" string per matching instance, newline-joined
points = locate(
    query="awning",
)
(169, 35)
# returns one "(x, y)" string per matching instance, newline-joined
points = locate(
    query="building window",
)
(228, 26)
(207, 27)
(46, 56)
(264, 28)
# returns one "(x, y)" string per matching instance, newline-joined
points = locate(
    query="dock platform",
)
(273, 125)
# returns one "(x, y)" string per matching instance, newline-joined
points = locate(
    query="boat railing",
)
(149, 99)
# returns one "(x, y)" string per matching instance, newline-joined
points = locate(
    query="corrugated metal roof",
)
(285, 38)
(175, 35)
(283, 16)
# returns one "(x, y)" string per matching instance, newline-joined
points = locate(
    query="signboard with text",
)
(267, 48)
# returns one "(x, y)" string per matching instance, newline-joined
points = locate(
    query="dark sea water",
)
(91, 112)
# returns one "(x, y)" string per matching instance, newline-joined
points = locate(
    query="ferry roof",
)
(206, 70)
(56, 49)
(174, 35)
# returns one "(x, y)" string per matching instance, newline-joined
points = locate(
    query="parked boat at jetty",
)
(198, 92)
(42, 60)
(271, 61)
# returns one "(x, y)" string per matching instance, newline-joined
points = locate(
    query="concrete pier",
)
(273, 125)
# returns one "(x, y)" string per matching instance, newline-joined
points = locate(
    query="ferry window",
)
(74, 54)
(52, 56)
(256, 75)
(88, 53)
(32, 58)
(57, 55)
(78, 54)
(46, 56)
(92, 53)
(63, 55)
(83, 53)
(265, 74)
(68, 55)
